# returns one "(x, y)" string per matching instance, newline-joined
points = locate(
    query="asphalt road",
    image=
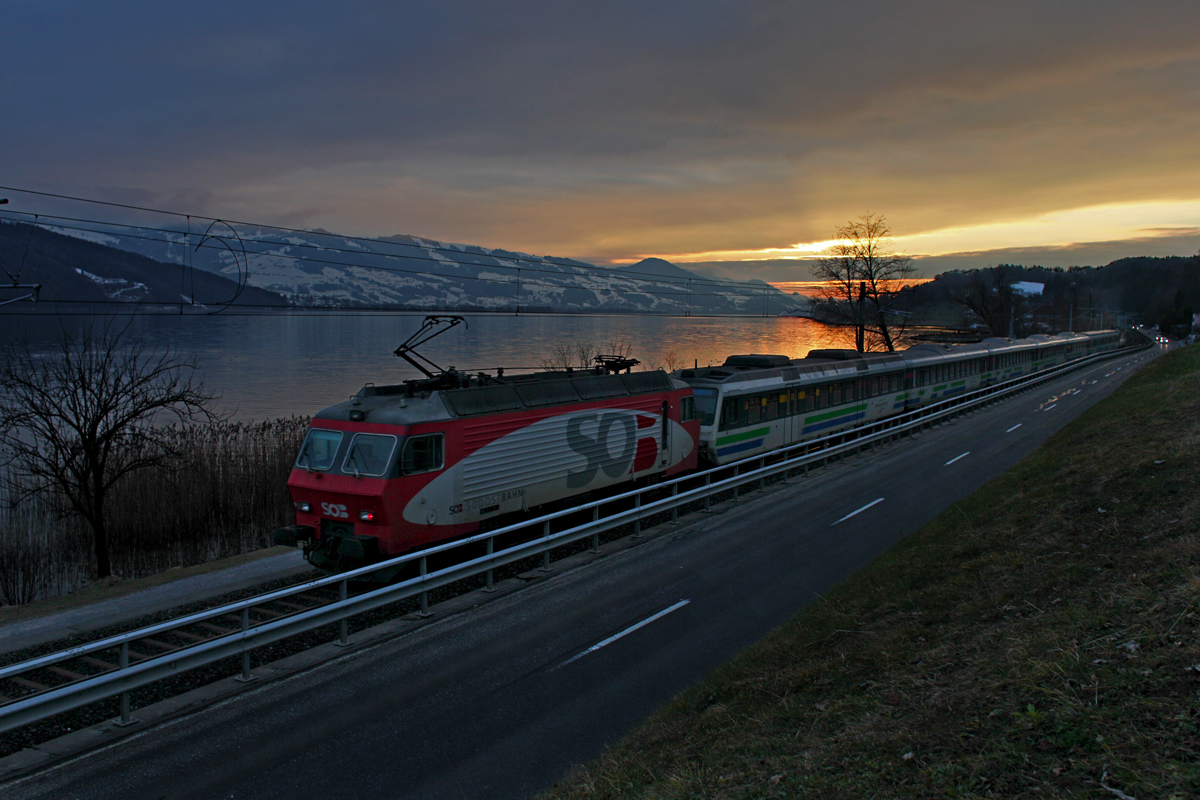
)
(500, 701)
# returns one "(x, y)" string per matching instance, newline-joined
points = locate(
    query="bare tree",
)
(672, 361)
(862, 280)
(75, 423)
(585, 354)
(582, 355)
(989, 295)
(620, 348)
(563, 356)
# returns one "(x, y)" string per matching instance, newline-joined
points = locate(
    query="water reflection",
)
(282, 364)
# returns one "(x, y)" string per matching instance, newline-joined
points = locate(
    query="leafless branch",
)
(862, 280)
(77, 421)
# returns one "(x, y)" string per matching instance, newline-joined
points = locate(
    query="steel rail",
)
(31, 708)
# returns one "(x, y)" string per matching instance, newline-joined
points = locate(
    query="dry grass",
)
(1040, 639)
(224, 497)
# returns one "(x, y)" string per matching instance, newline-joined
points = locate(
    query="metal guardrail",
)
(42, 700)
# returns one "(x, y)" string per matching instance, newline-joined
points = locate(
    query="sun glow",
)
(812, 288)
(1099, 223)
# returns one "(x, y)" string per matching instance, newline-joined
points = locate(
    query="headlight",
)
(303, 507)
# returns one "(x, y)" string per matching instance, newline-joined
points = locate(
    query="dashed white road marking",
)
(1047, 408)
(859, 511)
(1014, 427)
(626, 632)
(956, 458)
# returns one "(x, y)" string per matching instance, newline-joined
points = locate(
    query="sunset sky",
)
(733, 136)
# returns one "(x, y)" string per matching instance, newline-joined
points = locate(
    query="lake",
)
(285, 363)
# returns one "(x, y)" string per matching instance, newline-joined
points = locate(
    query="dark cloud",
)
(605, 129)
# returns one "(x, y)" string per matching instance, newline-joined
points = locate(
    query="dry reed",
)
(223, 496)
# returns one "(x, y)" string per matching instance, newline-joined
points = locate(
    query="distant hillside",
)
(74, 269)
(1161, 292)
(408, 272)
(661, 268)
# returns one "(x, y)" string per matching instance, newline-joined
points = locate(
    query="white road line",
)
(1014, 427)
(852, 513)
(1047, 408)
(956, 458)
(626, 632)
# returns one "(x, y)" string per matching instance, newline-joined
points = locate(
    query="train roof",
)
(777, 368)
(837, 363)
(480, 395)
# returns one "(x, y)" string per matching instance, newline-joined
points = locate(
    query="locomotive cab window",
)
(422, 454)
(319, 448)
(369, 454)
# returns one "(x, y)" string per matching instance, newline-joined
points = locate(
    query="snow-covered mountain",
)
(324, 269)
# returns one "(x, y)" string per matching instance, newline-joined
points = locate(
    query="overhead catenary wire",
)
(509, 256)
(160, 309)
(691, 289)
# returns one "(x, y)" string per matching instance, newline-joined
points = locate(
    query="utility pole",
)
(16, 284)
(860, 325)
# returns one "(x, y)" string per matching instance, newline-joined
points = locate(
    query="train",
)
(753, 404)
(397, 468)
(400, 467)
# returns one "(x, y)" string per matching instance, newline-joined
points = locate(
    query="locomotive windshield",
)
(369, 454)
(706, 404)
(319, 448)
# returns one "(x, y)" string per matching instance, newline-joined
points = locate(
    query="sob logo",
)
(335, 510)
(595, 448)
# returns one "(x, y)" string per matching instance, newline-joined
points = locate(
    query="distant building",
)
(1028, 288)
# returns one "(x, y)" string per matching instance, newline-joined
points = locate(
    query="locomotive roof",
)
(476, 396)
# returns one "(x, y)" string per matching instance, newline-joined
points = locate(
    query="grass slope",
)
(1039, 639)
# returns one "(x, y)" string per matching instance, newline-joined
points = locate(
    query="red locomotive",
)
(401, 467)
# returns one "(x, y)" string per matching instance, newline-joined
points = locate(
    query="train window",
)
(729, 413)
(706, 405)
(687, 410)
(422, 454)
(848, 392)
(369, 454)
(771, 406)
(318, 450)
